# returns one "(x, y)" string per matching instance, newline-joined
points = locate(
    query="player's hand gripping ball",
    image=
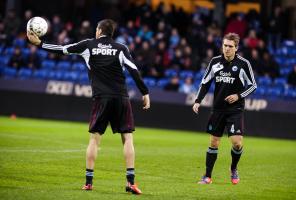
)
(37, 25)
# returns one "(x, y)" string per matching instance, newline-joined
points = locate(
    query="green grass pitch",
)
(44, 159)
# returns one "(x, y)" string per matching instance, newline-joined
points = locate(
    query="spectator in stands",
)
(12, 23)
(56, 26)
(177, 61)
(174, 38)
(237, 25)
(187, 59)
(17, 61)
(4, 38)
(275, 27)
(173, 85)
(292, 77)
(27, 16)
(130, 28)
(209, 44)
(155, 70)
(162, 31)
(63, 38)
(146, 56)
(270, 67)
(188, 86)
(207, 59)
(85, 31)
(162, 52)
(33, 61)
(145, 33)
(256, 62)
(251, 41)
(124, 38)
(214, 30)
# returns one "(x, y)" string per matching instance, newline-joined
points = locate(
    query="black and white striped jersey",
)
(106, 61)
(234, 77)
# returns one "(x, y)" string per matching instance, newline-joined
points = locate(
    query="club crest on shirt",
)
(234, 68)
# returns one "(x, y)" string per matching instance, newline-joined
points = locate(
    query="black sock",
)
(210, 160)
(89, 176)
(130, 175)
(235, 154)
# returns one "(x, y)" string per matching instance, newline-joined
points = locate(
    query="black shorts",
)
(116, 110)
(233, 122)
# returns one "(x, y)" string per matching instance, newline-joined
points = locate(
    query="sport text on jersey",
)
(104, 50)
(225, 77)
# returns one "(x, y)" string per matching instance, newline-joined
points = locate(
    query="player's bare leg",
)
(129, 156)
(91, 155)
(211, 158)
(236, 151)
(128, 149)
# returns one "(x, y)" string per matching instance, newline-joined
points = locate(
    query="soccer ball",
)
(38, 25)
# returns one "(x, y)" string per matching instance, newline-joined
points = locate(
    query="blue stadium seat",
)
(212, 88)
(55, 75)
(150, 82)
(186, 73)
(1, 69)
(199, 75)
(50, 75)
(285, 71)
(59, 75)
(40, 74)
(48, 64)
(25, 52)
(197, 83)
(83, 78)
(1, 48)
(264, 81)
(162, 82)
(280, 82)
(280, 59)
(9, 72)
(289, 43)
(130, 81)
(71, 76)
(274, 91)
(63, 65)
(19, 42)
(4, 59)
(42, 53)
(290, 92)
(9, 51)
(170, 72)
(24, 73)
(79, 66)
(262, 90)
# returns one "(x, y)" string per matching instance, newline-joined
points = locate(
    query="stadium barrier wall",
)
(161, 115)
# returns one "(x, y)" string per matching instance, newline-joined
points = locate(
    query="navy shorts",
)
(232, 122)
(116, 110)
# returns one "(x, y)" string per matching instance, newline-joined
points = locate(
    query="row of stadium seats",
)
(266, 86)
(76, 71)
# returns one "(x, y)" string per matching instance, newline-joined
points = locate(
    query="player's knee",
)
(237, 145)
(215, 143)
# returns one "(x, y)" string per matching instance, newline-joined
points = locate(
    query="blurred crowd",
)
(160, 40)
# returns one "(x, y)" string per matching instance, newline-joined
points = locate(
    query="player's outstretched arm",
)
(76, 48)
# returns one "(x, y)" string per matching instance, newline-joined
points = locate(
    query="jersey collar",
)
(224, 61)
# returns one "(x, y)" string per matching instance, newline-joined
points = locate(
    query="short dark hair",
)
(232, 36)
(107, 26)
